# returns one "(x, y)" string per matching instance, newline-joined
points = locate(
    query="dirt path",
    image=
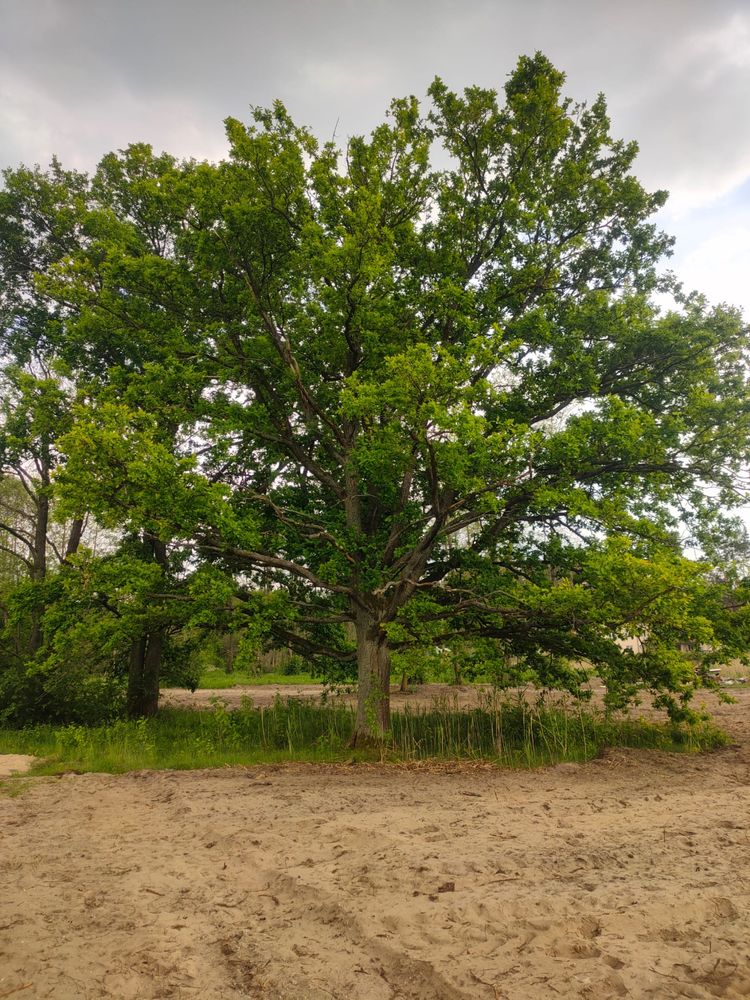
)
(629, 876)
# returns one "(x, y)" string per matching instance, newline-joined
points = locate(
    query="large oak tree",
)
(417, 389)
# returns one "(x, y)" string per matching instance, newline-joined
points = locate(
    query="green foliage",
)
(16, 513)
(84, 687)
(91, 611)
(411, 397)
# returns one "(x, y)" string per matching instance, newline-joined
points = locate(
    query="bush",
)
(30, 693)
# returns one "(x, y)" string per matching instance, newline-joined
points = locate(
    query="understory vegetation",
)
(505, 732)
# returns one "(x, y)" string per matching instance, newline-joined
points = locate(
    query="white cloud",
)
(720, 267)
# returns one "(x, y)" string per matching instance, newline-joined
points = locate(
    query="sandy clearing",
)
(629, 876)
(14, 763)
(425, 695)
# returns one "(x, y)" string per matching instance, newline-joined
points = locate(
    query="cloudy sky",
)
(81, 77)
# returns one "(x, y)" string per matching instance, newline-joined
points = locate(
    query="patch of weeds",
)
(12, 788)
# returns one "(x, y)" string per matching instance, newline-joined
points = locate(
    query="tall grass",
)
(524, 736)
(509, 734)
(214, 680)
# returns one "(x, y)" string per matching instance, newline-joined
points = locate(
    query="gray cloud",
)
(80, 77)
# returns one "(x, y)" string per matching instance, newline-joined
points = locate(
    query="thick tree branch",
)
(309, 647)
(17, 555)
(19, 535)
(286, 565)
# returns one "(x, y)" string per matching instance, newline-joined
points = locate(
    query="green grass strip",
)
(508, 735)
(220, 679)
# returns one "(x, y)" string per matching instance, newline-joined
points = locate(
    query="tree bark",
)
(39, 571)
(152, 673)
(144, 669)
(39, 565)
(135, 678)
(143, 676)
(74, 538)
(373, 681)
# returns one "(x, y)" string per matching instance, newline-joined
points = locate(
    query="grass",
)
(220, 679)
(12, 787)
(507, 734)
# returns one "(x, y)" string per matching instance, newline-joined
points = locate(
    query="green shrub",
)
(30, 693)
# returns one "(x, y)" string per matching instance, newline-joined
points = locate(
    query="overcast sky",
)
(81, 77)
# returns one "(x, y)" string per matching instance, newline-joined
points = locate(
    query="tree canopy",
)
(411, 392)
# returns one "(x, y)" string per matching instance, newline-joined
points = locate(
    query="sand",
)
(628, 876)
(14, 763)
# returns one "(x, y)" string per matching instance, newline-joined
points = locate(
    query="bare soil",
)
(14, 763)
(628, 876)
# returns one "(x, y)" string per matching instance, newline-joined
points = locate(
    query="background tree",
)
(39, 214)
(117, 352)
(16, 519)
(425, 403)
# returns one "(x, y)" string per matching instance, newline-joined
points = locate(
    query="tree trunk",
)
(373, 681)
(135, 698)
(152, 672)
(146, 656)
(143, 676)
(40, 537)
(39, 565)
(74, 538)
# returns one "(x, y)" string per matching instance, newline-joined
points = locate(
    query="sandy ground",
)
(426, 695)
(14, 763)
(628, 876)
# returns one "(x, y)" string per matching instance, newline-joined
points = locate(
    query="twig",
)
(318, 981)
(478, 979)
(16, 989)
(667, 975)
(493, 986)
